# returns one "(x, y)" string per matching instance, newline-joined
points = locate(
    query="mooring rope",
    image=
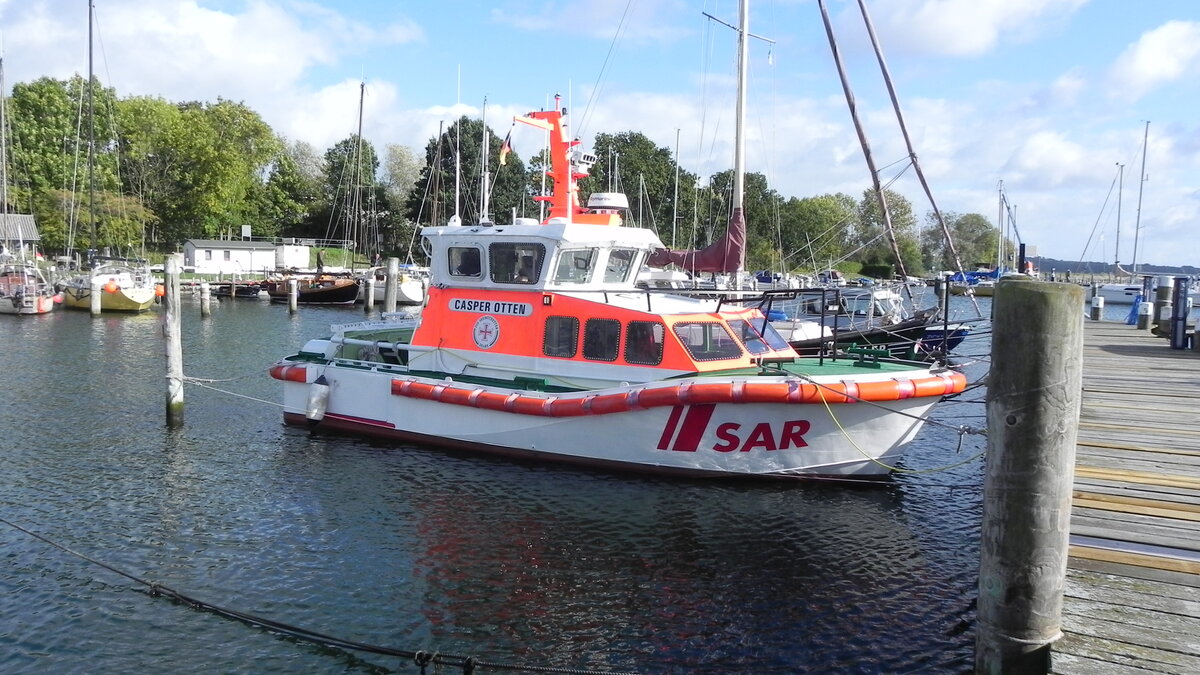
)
(962, 430)
(421, 658)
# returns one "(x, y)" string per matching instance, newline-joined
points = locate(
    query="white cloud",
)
(1166, 54)
(964, 27)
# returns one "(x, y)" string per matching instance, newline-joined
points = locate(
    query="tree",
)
(434, 200)
(50, 142)
(631, 163)
(870, 237)
(974, 237)
(816, 231)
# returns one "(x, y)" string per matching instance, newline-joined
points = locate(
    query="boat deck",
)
(1132, 602)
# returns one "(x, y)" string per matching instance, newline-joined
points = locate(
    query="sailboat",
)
(121, 284)
(537, 343)
(24, 288)
(1118, 293)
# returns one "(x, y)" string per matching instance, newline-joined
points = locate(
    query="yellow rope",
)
(846, 434)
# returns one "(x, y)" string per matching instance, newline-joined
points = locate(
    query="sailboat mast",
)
(1137, 223)
(1120, 187)
(91, 162)
(359, 228)
(483, 164)
(739, 148)
(4, 146)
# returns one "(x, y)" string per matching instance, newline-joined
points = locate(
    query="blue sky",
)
(1048, 96)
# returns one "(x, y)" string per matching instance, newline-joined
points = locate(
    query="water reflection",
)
(419, 548)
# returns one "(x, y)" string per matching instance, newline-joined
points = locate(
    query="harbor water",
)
(421, 549)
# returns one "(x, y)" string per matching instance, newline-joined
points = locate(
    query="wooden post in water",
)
(1033, 418)
(293, 287)
(393, 278)
(94, 296)
(369, 291)
(172, 335)
(205, 299)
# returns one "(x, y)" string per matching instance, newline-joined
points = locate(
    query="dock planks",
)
(1132, 596)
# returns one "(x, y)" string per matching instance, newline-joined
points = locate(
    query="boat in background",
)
(410, 285)
(864, 316)
(246, 289)
(322, 289)
(24, 288)
(124, 285)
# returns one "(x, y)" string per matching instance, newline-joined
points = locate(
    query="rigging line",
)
(1099, 217)
(927, 420)
(199, 383)
(962, 432)
(862, 140)
(422, 658)
(594, 99)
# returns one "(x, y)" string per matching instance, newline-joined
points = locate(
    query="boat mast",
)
(739, 149)
(1117, 246)
(357, 230)
(1137, 223)
(483, 165)
(91, 162)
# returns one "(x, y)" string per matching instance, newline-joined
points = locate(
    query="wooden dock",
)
(1132, 602)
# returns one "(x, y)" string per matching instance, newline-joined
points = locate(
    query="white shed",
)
(230, 256)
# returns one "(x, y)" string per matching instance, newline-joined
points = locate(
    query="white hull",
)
(715, 439)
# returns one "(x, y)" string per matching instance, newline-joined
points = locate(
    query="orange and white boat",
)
(536, 342)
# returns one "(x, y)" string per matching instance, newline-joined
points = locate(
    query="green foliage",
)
(631, 163)
(816, 231)
(433, 200)
(975, 239)
(871, 239)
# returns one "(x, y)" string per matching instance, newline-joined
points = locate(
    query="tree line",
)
(159, 173)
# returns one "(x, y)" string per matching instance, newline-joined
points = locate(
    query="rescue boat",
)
(536, 341)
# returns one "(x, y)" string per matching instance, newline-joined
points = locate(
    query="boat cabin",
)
(563, 298)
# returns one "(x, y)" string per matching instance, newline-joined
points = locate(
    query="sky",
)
(1045, 102)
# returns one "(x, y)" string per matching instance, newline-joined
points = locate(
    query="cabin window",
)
(601, 339)
(516, 263)
(208, 254)
(575, 267)
(620, 262)
(561, 336)
(708, 341)
(644, 343)
(758, 336)
(227, 257)
(464, 261)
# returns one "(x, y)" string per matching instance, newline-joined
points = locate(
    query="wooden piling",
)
(293, 287)
(173, 337)
(369, 291)
(94, 297)
(393, 278)
(1033, 419)
(205, 299)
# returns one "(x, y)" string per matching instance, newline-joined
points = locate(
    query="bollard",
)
(369, 291)
(1144, 312)
(1097, 308)
(172, 335)
(293, 287)
(205, 299)
(95, 297)
(1033, 418)
(390, 292)
(1181, 303)
(1162, 305)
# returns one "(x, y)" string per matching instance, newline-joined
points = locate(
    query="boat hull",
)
(339, 291)
(695, 426)
(121, 300)
(27, 304)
